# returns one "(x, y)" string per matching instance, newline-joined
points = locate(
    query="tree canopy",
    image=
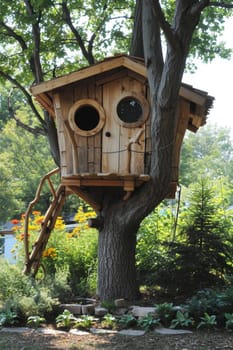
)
(44, 39)
(207, 153)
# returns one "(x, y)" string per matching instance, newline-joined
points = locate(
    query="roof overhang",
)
(42, 91)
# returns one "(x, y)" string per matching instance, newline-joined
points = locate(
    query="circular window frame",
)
(144, 105)
(83, 103)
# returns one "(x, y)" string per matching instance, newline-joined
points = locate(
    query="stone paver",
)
(140, 311)
(78, 332)
(169, 331)
(102, 331)
(17, 329)
(132, 332)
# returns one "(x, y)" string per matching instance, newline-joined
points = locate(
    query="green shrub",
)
(84, 322)
(65, 320)
(148, 322)
(229, 320)
(22, 294)
(127, 321)
(207, 321)
(207, 301)
(35, 321)
(109, 321)
(7, 318)
(182, 319)
(12, 281)
(165, 312)
(59, 284)
(154, 230)
(200, 256)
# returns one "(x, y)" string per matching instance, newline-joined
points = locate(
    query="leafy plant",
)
(182, 319)
(229, 320)
(206, 301)
(66, 319)
(85, 321)
(7, 318)
(165, 312)
(127, 321)
(148, 322)
(35, 321)
(109, 321)
(207, 321)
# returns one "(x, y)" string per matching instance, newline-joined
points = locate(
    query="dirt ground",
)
(201, 340)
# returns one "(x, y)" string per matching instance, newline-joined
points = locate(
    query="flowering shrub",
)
(74, 251)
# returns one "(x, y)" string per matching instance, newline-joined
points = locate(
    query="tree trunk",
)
(116, 256)
(52, 137)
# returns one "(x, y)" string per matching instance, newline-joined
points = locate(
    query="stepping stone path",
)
(92, 308)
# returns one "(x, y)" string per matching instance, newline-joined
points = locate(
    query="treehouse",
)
(103, 122)
(103, 119)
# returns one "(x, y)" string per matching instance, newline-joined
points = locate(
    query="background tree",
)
(212, 150)
(24, 159)
(37, 37)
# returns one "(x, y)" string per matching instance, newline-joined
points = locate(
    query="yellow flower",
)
(36, 213)
(59, 223)
(39, 220)
(33, 227)
(82, 216)
(50, 253)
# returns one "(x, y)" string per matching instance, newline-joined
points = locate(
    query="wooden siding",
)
(123, 147)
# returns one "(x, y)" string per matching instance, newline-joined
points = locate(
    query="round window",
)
(131, 110)
(86, 117)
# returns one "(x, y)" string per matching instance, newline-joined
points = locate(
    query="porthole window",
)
(131, 110)
(86, 117)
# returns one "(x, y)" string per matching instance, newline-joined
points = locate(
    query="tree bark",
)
(116, 259)
(52, 137)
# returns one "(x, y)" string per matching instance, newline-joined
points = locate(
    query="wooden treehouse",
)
(103, 120)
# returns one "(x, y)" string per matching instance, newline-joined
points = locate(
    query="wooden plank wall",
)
(79, 154)
(121, 155)
(101, 153)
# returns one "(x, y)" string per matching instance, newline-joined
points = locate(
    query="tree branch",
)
(26, 94)
(35, 131)
(152, 44)
(35, 59)
(92, 39)
(136, 46)
(164, 24)
(66, 15)
(14, 35)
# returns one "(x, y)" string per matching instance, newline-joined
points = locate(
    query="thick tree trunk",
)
(116, 255)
